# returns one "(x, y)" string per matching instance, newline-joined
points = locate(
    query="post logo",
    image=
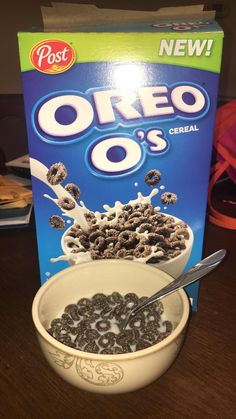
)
(52, 56)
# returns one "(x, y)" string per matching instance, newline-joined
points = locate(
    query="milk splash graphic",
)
(78, 213)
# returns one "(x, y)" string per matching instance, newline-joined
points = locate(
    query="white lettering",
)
(166, 47)
(181, 47)
(177, 97)
(150, 101)
(49, 124)
(196, 47)
(45, 52)
(100, 160)
(105, 106)
(158, 143)
(182, 130)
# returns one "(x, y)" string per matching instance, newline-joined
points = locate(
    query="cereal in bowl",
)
(95, 324)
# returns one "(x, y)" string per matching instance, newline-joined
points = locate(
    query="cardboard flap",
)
(67, 16)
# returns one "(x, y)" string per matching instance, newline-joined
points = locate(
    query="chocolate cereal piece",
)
(75, 231)
(56, 174)
(107, 313)
(85, 306)
(112, 350)
(150, 337)
(132, 224)
(142, 251)
(151, 326)
(131, 299)
(128, 239)
(115, 298)
(125, 338)
(152, 177)
(99, 243)
(91, 347)
(182, 233)
(67, 318)
(91, 334)
(84, 241)
(154, 239)
(57, 222)
(145, 227)
(66, 340)
(124, 254)
(128, 208)
(66, 203)
(74, 190)
(96, 234)
(137, 321)
(73, 311)
(99, 301)
(108, 254)
(90, 217)
(103, 325)
(168, 198)
(107, 339)
(142, 344)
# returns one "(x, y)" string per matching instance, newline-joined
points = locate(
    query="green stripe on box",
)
(127, 47)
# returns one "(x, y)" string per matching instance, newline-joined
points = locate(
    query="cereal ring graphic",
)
(128, 238)
(152, 177)
(142, 251)
(66, 203)
(74, 190)
(168, 198)
(56, 174)
(145, 227)
(57, 222)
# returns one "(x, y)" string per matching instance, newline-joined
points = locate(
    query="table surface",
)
(200, 384)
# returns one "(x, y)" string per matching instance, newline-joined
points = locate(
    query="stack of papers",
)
(15, 202)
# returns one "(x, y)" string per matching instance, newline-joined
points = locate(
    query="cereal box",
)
(120, 125)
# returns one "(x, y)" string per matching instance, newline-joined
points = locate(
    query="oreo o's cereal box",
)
(120, 126)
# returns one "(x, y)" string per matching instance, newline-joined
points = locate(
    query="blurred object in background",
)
(223, 171)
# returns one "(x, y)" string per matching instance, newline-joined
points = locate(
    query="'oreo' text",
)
(106, 107)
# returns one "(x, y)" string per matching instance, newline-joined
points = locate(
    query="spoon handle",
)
(196, 272)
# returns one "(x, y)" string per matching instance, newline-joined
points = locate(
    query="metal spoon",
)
(196, 272)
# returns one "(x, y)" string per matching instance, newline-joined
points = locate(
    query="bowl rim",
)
(161, 263)
(107, 357)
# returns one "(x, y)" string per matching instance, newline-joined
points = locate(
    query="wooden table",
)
(200, 384)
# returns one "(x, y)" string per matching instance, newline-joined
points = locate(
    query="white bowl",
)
(173, 267)
(100, 373)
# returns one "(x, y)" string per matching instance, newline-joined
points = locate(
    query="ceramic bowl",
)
(108, 374)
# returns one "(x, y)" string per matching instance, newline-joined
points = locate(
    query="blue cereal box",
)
(120, 125)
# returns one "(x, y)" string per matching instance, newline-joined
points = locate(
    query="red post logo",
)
(52, 56)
